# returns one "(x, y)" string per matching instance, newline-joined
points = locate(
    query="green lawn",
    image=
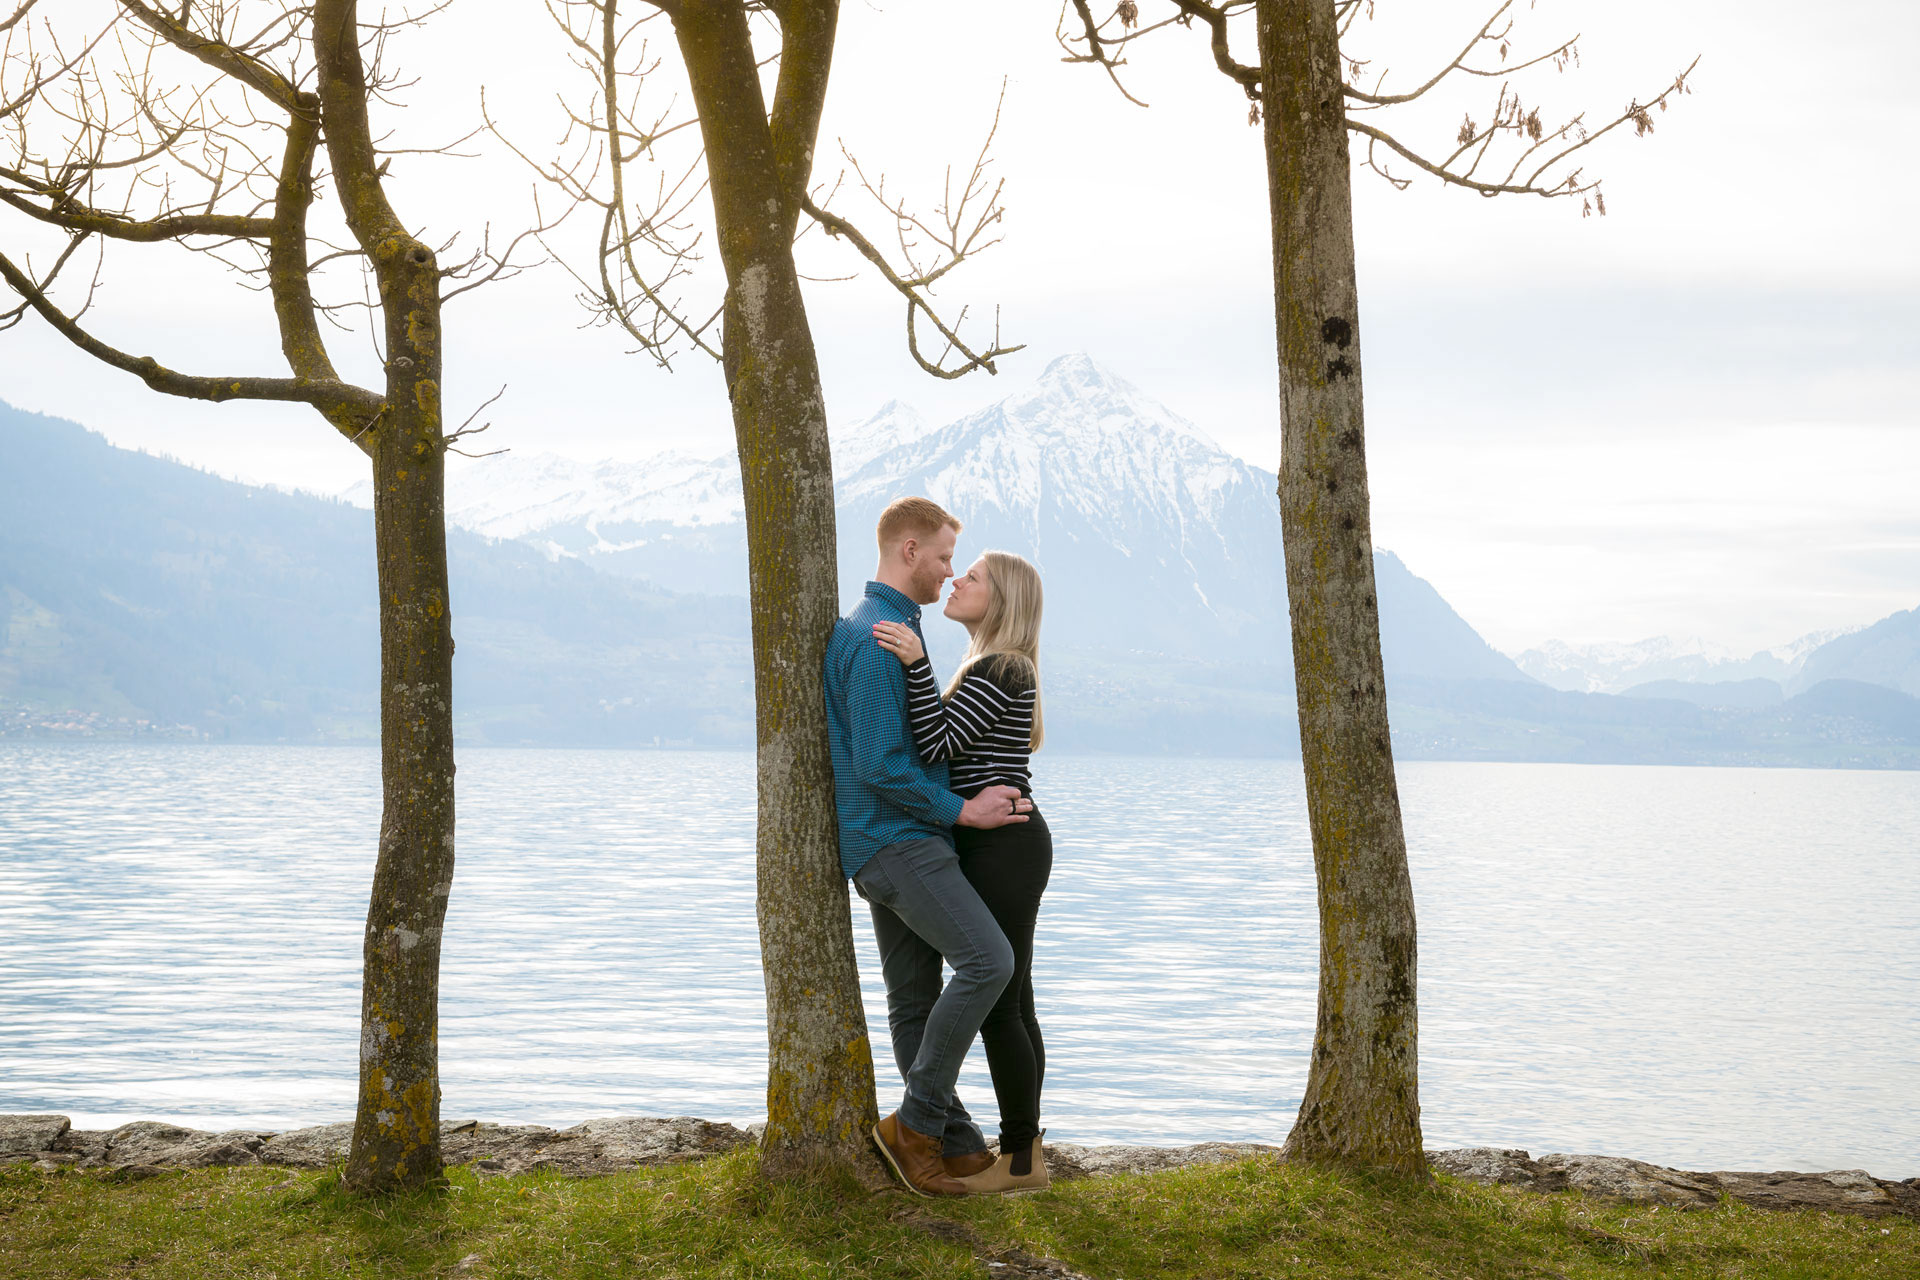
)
(1256, 1218)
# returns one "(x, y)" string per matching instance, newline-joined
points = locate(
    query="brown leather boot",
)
(999, 1177)
(915, 1159)
(967, 1165)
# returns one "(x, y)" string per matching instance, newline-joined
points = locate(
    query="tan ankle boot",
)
(914, 1159)
(1001, 1178)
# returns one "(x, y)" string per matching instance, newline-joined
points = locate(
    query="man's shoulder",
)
(852, 636)
(840, 646)
(871, 608)
(859, 620)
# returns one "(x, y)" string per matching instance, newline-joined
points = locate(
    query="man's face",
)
(931, 561)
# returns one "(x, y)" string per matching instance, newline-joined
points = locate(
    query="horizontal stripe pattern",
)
(983, 732)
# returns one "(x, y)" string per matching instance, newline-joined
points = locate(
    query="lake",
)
(1710, 968)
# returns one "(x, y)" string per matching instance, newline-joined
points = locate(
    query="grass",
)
(718, 1219)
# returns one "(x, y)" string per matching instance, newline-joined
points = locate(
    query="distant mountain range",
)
(140, 597)
(1885, 654)
(1618, 668)
(593, 602)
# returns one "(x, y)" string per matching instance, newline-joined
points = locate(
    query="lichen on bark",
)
(820, 1091)
(396, 1139)
(1361, 1104)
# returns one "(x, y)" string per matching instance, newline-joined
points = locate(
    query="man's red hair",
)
(913, 518)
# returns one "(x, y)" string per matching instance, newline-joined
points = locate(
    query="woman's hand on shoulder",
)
(899, 640)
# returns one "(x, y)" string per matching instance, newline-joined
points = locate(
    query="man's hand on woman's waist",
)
(995, 807)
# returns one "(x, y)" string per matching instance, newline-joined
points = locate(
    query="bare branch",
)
(244, 67)
(620, 289)
(73, 216)
(323, 394)
(916, 301)
(1456, 65)
(1475, 146)
(468, 429)
(1097, 43)
(962, 226)
(40, 77)
(1215, 17)
(1102, 45)
(8, 319)
(26, 7)
(649, 242)
(289, 274)
(1510, 117)
(486, 267)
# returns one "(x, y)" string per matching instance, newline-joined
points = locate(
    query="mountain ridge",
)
(1150, 537)
(212, 609)
(1615, 667)
(142, 597)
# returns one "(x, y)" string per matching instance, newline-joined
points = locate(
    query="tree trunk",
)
(1362, 1101)
(820, 1090)
(396, 1132)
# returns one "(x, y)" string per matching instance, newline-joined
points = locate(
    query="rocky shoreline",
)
(618, 1143)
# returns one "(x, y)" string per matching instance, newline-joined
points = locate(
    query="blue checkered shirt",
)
(883, 793)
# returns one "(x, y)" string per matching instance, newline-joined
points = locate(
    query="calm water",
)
(1707, 967)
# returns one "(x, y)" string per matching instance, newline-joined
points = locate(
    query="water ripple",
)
(1710, 967)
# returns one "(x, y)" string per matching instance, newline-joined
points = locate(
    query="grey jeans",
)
(925, 911)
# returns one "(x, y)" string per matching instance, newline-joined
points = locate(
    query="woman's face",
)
(967, 599)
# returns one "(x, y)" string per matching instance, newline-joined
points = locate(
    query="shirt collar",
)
(887, 595)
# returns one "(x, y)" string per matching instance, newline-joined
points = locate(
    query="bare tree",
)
(1362, 1100)
(214, 130)
(752, 161)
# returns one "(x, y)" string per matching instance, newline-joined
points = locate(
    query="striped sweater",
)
(984, 731)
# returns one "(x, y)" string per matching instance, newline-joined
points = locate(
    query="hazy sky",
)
(1694, 417)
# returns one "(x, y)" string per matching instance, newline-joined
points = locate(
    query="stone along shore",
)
(619, 1143)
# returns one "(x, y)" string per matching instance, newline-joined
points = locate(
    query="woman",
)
(986, 727)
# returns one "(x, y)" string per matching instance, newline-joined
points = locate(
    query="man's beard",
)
(926, 585)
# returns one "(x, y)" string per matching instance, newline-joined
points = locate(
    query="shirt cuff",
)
(945, 801)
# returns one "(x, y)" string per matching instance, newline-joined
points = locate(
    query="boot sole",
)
(886, 1154)
(1026, 1190)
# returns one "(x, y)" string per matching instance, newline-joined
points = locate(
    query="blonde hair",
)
(912, 518)
(1009, 632)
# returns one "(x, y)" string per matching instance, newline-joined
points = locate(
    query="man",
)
(896, 822)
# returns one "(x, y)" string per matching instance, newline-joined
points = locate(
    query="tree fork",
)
(820, 1085)
(1362, 1102)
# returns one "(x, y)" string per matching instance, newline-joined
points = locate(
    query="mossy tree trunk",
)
(1362, 1101)
(396, 1133)
(820, 1088)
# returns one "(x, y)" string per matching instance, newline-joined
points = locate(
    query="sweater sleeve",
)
(949, 728)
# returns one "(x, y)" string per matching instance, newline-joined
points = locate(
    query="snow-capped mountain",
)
(1147, 532)
(515, 495)
(1615, 668)
(894, 424)
(1150, 536)
(674, 519)
(1886, 653)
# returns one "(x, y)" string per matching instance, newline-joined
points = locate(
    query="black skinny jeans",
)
(1008, 867)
